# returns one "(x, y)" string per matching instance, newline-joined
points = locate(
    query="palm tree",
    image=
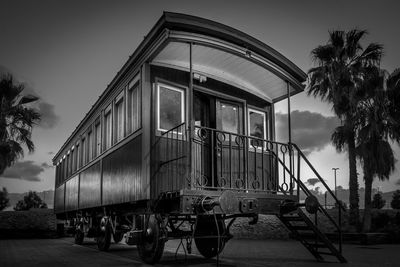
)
(337, 79)
(16, 121)
(379, 123)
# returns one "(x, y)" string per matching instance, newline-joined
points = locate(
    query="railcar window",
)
(107, 128)
(89, 143)
(83, 148)
(171, 107)
(119, 118)
(78, 159)
(64, 168)
(97, 138)
(257, 126)
(72, 160)
(133, 106)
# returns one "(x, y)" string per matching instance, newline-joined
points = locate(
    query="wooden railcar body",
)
(127, 171)
(185, 129)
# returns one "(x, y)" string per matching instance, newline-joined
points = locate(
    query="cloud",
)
(397, 182)
(311, 131)
(24, 170)
(46, 165)
(50, 153)
(49, 118)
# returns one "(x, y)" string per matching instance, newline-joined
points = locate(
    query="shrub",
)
(378, 202)
(4, 200)
(395, 204)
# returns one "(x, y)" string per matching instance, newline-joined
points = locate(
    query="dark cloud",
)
(46, 165)
(312, 181)
(398, 182)
(311, 131)
(49, 118)
(24, 170)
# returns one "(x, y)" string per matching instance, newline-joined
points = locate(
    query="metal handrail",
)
(318, 176)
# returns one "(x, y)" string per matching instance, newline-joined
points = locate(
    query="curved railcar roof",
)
(187, 23)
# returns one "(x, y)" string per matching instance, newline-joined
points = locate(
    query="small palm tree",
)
(337, 79)
(16, 121)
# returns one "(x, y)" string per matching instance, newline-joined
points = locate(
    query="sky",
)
(67, 52)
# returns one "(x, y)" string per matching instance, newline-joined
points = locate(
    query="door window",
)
(229, 117)
(257, 126)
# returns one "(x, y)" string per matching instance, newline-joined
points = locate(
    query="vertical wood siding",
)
(170, 166)
(59, 199)
(122, 174)
(89, 190)
(71, 193)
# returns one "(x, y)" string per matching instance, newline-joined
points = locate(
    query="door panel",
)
(229, 146)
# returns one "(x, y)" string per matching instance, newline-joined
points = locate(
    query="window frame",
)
(133, 85)
(183, 104)
(107, 138)
(83, 151)
(264, 114)
(97, 148)
(119, 100)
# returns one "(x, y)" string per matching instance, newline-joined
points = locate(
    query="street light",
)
(335, 169)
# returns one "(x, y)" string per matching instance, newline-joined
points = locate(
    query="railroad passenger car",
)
(181, 143)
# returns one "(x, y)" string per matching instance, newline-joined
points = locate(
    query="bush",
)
(4, 200)
(395, 204)
(380, 220)
(378, 202)
(32, 200)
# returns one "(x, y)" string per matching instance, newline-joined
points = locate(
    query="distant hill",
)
(46, 196)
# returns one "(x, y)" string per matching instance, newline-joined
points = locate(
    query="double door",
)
(219, 145)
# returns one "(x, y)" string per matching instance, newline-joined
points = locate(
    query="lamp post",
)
(335, 169)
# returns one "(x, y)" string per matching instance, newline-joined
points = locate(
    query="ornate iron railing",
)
(170, 160)
(218, 160)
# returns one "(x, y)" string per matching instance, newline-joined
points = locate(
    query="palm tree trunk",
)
(353, 183)
(368, 203)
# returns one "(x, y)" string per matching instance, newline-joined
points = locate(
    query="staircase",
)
(307, 232)
(295, 218)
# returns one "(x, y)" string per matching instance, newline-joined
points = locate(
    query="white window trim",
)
(134, 85)
(183, 113)
(120, 98)
(264, 114)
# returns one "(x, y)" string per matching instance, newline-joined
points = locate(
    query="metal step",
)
(310, 236)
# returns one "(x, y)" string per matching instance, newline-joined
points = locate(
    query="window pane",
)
(133, 109)
(89, 146)
(97, 130)
(229, 118)
(170, 108)
(78, 158)
(83, 148)
(119, 120)
(257, 124)
(108, 131)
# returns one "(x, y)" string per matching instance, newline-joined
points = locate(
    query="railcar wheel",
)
(79, 236)
(118, 237)
(152, 241)
(104, 235)
(208, 246)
